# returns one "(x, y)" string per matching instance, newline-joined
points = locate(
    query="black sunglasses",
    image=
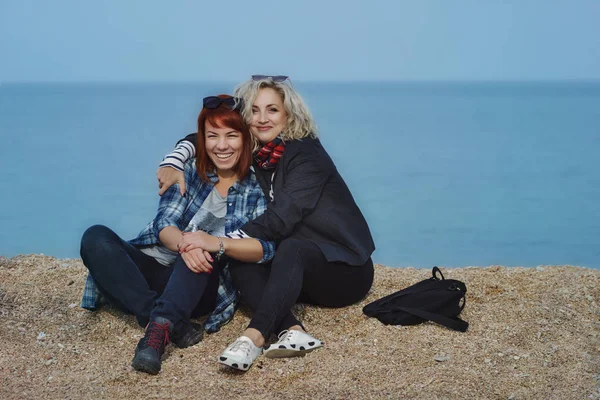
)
(275, 78)
(213, 102)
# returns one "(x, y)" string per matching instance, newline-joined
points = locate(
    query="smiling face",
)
(223, 146)
(269, 117)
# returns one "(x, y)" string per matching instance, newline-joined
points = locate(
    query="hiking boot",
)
(292, 343)
(189, 335)
(151, 347)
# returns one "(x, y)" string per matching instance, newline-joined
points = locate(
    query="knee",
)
(292, 245)
(293, 251)
(94, 237)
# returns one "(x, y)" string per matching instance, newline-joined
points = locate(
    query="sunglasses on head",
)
(213, 102)
(275, 78)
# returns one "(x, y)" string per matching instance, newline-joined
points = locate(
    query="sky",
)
(312, 40)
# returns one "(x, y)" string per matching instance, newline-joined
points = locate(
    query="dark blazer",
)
(311, 201)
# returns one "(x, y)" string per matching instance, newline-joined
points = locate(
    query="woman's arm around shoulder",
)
(170, 170)
(171, 207)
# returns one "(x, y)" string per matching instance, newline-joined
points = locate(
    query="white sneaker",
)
(240, 354)
(292, 343)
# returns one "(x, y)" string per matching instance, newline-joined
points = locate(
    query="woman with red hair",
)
(149, 276)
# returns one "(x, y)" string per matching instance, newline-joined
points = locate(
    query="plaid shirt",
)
(245, 201)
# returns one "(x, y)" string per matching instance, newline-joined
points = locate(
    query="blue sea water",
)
(449, 174)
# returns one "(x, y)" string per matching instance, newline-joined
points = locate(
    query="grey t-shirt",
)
(210, 218)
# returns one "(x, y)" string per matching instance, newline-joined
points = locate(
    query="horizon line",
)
(339, 81)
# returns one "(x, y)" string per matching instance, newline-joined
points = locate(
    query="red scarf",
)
(268, 156)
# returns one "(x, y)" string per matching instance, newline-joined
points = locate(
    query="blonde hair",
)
(300, 123)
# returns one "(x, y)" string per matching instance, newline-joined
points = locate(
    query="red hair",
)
(222, 117)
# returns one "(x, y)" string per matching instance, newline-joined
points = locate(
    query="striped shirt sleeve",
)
(178, 157)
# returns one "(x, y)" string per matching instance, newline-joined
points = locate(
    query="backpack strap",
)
(453, 323)
(416, 288)
(437, 270)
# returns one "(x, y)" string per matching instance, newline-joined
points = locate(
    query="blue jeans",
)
(138, 284)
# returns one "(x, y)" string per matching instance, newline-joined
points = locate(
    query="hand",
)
(198, 240)
(198, 261)
(167, 177)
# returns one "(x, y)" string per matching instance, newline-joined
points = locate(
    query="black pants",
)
(138, 284)
(299, 272)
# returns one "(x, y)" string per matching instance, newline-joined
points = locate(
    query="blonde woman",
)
(324, 245)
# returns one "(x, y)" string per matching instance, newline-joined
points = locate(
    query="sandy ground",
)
(533, 335)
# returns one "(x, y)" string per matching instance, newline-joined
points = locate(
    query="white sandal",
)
(292, 343)
(240, 354)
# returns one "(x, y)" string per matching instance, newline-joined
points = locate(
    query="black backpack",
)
(435, 299)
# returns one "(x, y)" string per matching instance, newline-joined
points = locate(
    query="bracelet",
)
(221, 249)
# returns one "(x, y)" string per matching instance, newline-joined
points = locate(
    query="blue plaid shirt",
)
(245, 201)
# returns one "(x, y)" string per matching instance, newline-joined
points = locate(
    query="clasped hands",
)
(195, 249)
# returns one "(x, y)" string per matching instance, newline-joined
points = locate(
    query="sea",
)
(450, 174)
